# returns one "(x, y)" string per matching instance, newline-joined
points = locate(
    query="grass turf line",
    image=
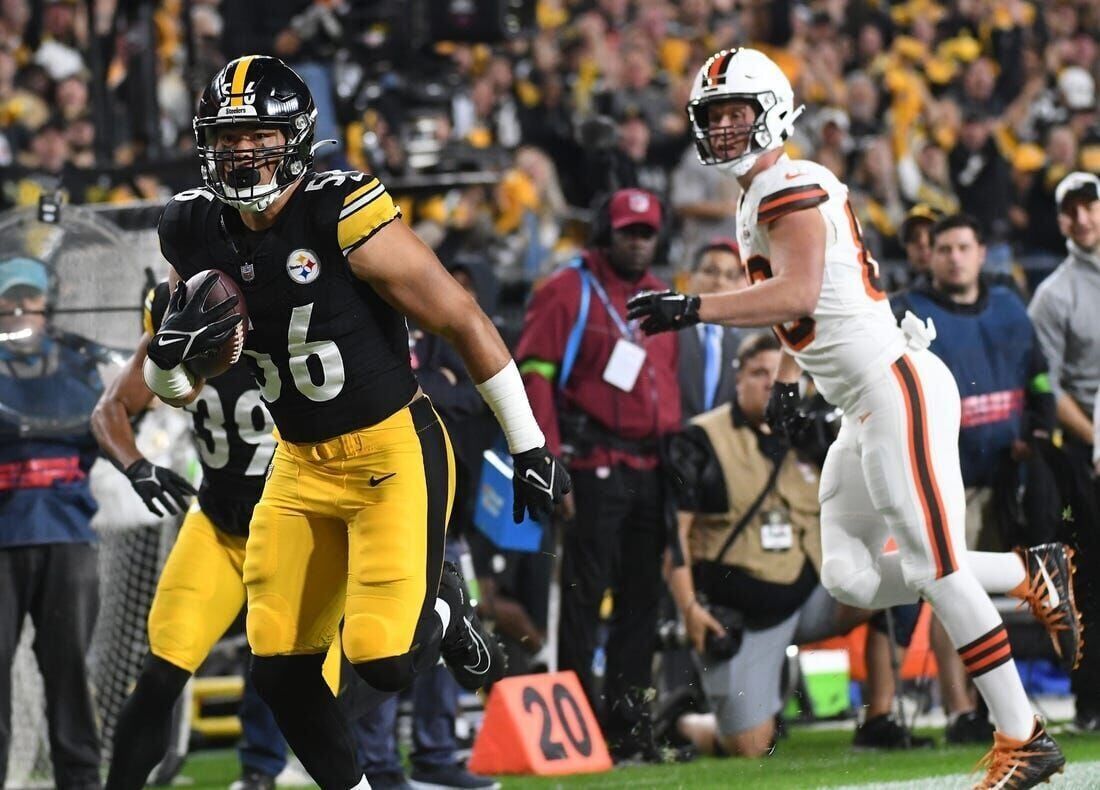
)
(807, 759)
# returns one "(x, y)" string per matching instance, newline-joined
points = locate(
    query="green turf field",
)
(807, 759)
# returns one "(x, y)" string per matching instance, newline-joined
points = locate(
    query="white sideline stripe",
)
(1078, 776)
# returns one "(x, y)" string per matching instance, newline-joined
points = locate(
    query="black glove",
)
(161, 489)
(539, 481)
(782, 413)
(189, 331)
(663, 311)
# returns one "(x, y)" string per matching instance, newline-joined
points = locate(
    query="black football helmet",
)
(256, 91)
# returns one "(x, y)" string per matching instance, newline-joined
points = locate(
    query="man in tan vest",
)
(751, 544)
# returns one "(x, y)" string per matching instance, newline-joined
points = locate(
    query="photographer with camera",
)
(745, 578)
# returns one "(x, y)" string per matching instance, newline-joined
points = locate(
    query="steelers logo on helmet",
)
(303, 266)
(748, 76)
(254, 132)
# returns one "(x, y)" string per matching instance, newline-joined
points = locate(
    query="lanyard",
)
(624, 330)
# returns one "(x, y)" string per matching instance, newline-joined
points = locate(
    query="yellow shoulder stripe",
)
(367, 187)
(372, 209)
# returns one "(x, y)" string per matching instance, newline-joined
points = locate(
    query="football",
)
(212, 365)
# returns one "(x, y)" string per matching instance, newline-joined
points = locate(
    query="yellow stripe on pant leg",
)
(199, 594)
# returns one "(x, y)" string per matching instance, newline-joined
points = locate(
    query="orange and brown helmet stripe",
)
(715, 68)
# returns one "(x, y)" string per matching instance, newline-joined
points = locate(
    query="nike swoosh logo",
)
(484, 657)
(376, 480)
(532, 475)
(1004, 782)
(167, 341)
(1052, 591)
(792, 176)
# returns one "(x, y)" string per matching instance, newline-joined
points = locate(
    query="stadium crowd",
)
(947, 120)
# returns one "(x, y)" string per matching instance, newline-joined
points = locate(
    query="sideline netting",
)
(98, 281)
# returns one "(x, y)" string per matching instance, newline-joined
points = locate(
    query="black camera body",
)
(726, 646)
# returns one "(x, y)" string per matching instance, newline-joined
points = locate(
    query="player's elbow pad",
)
(172, 384)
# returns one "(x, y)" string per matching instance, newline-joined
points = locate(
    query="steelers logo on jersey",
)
(303, 266)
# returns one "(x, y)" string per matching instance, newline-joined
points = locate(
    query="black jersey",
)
(330, 355)
(233, 434)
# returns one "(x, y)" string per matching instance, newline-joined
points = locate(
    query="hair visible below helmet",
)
(749, 75)
(259, 92)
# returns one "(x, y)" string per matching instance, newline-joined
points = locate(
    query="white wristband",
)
(173, 384)
(506, 397)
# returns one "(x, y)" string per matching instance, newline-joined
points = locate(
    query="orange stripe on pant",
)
(987, 652)
(935, 519)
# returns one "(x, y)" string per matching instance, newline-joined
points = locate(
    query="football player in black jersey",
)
(352, 520)
(201, 588)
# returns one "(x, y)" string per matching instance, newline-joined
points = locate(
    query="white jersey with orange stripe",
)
(852, 337)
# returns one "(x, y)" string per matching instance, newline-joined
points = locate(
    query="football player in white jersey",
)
(894, 469)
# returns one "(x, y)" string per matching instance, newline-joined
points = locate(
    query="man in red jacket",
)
(605, 394)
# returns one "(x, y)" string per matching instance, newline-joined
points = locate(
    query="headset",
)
(599, 233)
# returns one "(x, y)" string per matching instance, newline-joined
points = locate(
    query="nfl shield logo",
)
(248, 272)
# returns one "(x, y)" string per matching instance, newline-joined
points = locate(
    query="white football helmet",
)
(742, 74)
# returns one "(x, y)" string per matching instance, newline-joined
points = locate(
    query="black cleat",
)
(884, 733)
(1014, 765)
(473, 655)
(1049, 595)
(254, 780)
(969, 727)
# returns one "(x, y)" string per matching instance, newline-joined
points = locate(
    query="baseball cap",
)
(1081, 185)
(634, 207)
(719, 243)
(22, 271)
(921, 212)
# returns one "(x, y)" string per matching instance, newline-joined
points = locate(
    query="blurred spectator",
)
(708, 352)
(636, 165)
(64, 37)
(746, 582)
(704, 200)
(924, 177)
(916, 239)
(604, 395)
(982, 179)
(48, 556)
(1068, 326)
(1034, 219)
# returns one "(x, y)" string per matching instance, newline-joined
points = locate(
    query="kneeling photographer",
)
(747, 581)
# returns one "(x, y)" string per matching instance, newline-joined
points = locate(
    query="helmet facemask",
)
(767, 131)
(251, 179)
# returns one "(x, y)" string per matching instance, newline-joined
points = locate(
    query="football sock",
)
(978, 634)
(145, 724)
(997, 572)
(309, 717)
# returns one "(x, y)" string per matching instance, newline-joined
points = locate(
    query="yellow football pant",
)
(352, 527)
(200, 593)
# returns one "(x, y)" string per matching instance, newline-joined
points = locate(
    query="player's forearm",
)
(498, 381)
(1073, 419)
(111, 428)
(775, 301)
(479, 344)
